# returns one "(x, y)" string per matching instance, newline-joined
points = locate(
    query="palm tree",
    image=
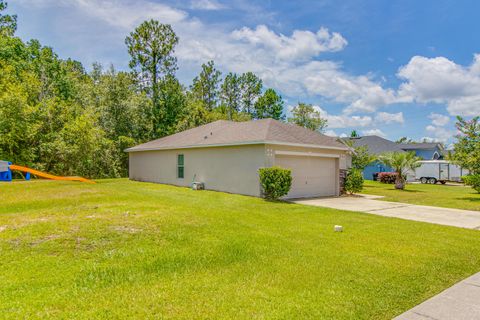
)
(401, 162)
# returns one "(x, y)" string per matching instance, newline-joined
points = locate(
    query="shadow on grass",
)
(410, 191)
(472, 199)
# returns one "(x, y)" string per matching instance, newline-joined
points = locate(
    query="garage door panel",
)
(311, 176)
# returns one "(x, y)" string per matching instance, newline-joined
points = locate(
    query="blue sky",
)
(392, 68)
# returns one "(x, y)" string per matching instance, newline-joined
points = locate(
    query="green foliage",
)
(56, 117)
(269, 105)
(275, 181)
(404, 140)
(172, 105)
(361, 158)
(467, 148)
(354, 181)
(401, 162)
(354, 134)
(151, 46)
(231, 95)
(251, 89)
(306, 116)
(205, 87)
(473, 181)
(8, 23)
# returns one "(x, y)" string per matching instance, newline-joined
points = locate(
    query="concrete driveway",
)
(370, 204)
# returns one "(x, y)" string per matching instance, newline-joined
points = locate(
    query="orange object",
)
(47, 175)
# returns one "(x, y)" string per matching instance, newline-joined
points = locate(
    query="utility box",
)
(198, 186)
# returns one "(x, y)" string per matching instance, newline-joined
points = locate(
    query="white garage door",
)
(312, 176)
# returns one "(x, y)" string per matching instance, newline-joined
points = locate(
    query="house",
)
(226, 156)
(426, 151)
(377, 145)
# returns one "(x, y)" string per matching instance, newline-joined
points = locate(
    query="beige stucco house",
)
(226, 156)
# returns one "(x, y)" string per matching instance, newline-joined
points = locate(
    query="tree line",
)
(57, 117)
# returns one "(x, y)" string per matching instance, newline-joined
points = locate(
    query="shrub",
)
(473, 181)
(276, 182)
(354, 181)
(387, 177)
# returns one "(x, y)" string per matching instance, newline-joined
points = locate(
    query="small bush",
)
(276, 182)
(387, 177)
(473, 181)
(354, 181)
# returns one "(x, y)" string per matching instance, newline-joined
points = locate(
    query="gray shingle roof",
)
(376, 144)
(224, 132)
(421, 146)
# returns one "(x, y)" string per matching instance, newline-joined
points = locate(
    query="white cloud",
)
(439, 134)
(465, 106)
(439, 119)
(344, 121)
(206, 5)
(123, 14)
(387, 118)
(440, 80)
(330, 133)
(291, 63)
(288, 62)
(302, 44)
(374, 132)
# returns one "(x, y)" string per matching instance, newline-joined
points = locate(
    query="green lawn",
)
(448, 196)
(123, 250)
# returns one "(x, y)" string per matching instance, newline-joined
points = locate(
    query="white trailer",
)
(433, 171)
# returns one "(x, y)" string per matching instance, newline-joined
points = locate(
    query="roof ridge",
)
(269, 127)
(221, 132)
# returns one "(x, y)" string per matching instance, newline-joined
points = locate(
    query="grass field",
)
(448, 196)
(123, 250)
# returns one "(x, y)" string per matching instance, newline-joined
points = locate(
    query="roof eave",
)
(239, 144)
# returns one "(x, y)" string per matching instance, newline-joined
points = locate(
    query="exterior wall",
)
(427, 154)
(343, 158)
(230, 169)
(373, 168)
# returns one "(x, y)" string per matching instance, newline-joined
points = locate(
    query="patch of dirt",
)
(3, 228)
(126, 229)
(45, 239)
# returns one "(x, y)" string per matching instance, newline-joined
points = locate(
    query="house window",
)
(180, 166)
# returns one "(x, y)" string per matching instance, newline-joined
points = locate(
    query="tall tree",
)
(8, 23)
(251, 89)
(306, 116)
(404, 140)
(172, 103)
(354, 134)
(230, 94)
(205, 86)
(269, 105)
(467, 148)
(151, 46)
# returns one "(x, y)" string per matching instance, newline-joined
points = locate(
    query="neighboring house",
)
(377, 145)
(426, 151)
(226, 156)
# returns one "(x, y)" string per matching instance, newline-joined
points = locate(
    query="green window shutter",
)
(180, 166)
(180, 173)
